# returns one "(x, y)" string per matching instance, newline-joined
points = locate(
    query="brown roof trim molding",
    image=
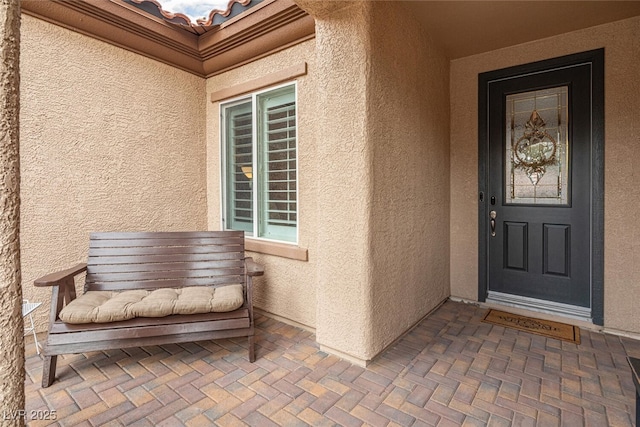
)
(270, 26)
(122, 25)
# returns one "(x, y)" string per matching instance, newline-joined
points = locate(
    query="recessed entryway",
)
(541, 186)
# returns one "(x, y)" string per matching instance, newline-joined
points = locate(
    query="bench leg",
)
(637, 407)
(252, 351)
(49, 370)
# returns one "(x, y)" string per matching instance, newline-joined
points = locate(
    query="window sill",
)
(277, 249)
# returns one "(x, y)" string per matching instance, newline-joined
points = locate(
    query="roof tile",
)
(215, 17)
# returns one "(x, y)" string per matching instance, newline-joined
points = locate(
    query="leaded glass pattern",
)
(537, 147)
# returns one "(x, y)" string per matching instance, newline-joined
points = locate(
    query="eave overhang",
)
(270, 26)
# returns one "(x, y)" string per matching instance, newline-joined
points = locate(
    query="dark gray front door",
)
(539, 143)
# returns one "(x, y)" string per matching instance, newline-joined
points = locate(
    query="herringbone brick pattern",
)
(451, 370)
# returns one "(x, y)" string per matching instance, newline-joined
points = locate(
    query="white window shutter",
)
(278, 152)
(239, 149)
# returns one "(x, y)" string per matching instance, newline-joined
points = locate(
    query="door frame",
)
(596, 60)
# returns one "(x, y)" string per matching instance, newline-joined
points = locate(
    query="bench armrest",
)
(253, 268)
(54, 279)
(62, 288)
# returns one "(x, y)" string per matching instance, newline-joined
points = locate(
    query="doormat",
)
(546, 328)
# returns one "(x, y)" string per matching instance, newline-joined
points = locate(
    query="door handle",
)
(493, 216)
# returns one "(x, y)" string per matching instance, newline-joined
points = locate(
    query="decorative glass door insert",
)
(537, 147)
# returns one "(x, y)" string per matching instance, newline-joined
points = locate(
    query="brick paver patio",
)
(450, 370)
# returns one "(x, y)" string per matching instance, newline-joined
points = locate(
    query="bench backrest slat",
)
(173, 283)
(120, 261)
(169, 250)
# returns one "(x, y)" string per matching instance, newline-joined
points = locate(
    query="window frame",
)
(253, 97)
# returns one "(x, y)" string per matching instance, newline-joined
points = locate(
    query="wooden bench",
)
(130, 261)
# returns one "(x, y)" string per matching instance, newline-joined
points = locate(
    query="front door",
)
(541, 186)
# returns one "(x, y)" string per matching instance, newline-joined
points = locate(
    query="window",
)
(260, 166)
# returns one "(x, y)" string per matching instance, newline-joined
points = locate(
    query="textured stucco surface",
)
(288, 289)
(110, 141)
(383, 94)
(344, 200)
(11, 340)
(409, 133)
(621, 41)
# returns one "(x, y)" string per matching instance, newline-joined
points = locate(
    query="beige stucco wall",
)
(344, 202)
(381, 266)
(109, 140)
(12, 373)
(409, 133)
(288, 289)
(621, 41)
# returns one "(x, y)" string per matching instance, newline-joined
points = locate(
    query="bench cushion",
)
(110, 306)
